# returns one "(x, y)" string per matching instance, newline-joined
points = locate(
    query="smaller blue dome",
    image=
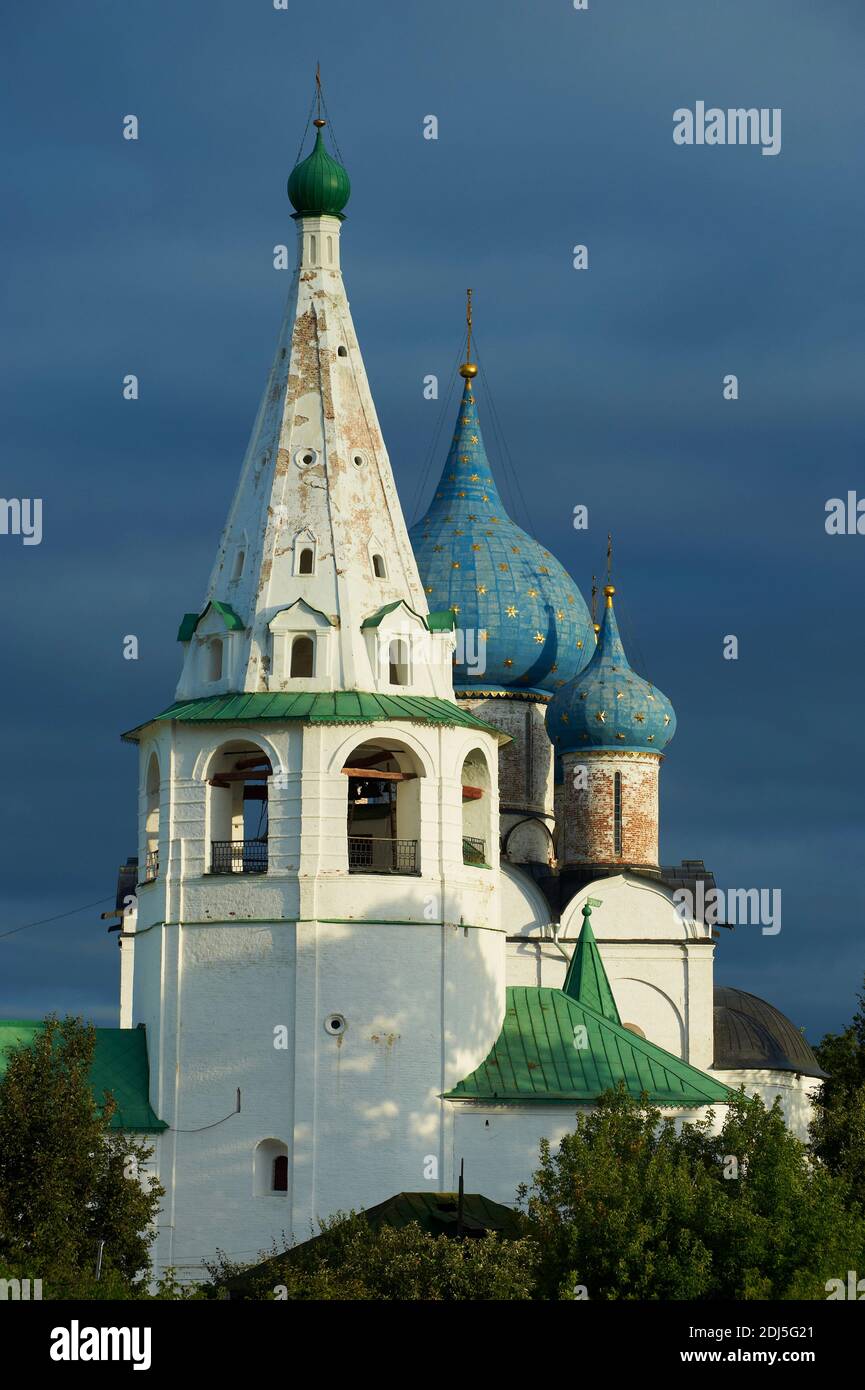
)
(607, 705)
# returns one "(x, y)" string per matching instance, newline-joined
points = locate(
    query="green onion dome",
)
(319, 186)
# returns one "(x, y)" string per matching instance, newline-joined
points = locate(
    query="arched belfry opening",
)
(477, 809)
(237, 801)
(383, 823)
(151, 821)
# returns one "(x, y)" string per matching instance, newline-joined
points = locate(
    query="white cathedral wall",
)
(794, 1090)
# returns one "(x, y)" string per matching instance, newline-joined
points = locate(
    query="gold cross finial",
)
(468, 368)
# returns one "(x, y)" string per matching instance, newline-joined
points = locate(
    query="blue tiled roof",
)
(608, 705)
(476, 561)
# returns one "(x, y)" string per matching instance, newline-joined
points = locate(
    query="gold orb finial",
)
(609, 590)
(468, 370)
(597, 627)
(319, 122)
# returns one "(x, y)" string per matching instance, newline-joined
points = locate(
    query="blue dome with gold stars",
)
(608, 705)
(499, 582)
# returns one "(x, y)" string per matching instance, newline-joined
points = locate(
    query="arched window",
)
(383, 809)
(239, 562)
(378, 567)
(237, 809)
(306, 560)
(476, 794)
(617, 813)
(151, 821)
(302, 656)
(270, 1167)
(398, 661)
(214, 659)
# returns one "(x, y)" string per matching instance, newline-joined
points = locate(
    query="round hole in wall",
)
(342, 352)
(304, 458)
(358, 460)
(334, 1024)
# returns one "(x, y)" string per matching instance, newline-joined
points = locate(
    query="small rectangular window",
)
(617, 813)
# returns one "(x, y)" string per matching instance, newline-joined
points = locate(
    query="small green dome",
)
(319, 186)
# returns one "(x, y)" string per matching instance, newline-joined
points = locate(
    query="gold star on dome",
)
(515, 549)
(570, 598)
(619, 694)
(429, 588)
(532, 593)
(473, 439)
(466, 420)
(601, 716)
(455, 608)
(650, 738)
(546, 554)
(464, 458)
(649, 697)
(502, 565)
(565, 719)
(542, 569)
(580, 643)
(640, 718)
(508, 661)
(476, 547)
(470, 399)
(485, 498)
(560, 613)
(539, 637)
(455, 564)
(459, 533)
(474, 477)
(666, 719)
(439, 495)
(555, 666)
(460, 494)
(511, 611)
(482, 588)
(472, 518)
(621, 736)
(437, 547)
(483, 634)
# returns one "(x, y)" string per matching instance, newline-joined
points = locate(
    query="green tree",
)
(838, 1127)
(353, 1260)
(67, 1180)
(633, 1205)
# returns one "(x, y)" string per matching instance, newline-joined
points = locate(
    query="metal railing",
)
(474, 850)
(151, 866)
(238, 857)
(370, 855)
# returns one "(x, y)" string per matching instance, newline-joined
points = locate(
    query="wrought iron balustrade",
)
(151, 866)
(367, 854)
(238, 857)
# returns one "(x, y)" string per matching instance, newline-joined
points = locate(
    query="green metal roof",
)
(119, 1066)
(334, 707)
(537, 1059)
(586, 981)
(569, 1045)
(443, 620)
(190, 621)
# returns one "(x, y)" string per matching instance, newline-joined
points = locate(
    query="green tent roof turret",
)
(319, 186)
(586, 980)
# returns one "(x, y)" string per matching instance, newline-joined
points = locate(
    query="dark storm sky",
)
(555, 127)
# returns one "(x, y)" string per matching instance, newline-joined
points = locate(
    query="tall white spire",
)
(315, 544)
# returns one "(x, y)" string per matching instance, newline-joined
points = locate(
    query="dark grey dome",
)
(751, 1033)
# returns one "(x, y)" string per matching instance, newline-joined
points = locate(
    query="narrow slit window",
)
(302, 656)
(305, 564)
(214, 659)
(239, 562)
(280, 1173)
(398, 662)
(617, 813)
(378, 567)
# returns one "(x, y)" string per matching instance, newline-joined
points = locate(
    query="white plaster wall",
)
(794, 1090)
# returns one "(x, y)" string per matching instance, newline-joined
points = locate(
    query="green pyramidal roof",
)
(119, 1066)
(586, 980)
(568, 1046)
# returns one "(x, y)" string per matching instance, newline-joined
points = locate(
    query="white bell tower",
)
(318, 923)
